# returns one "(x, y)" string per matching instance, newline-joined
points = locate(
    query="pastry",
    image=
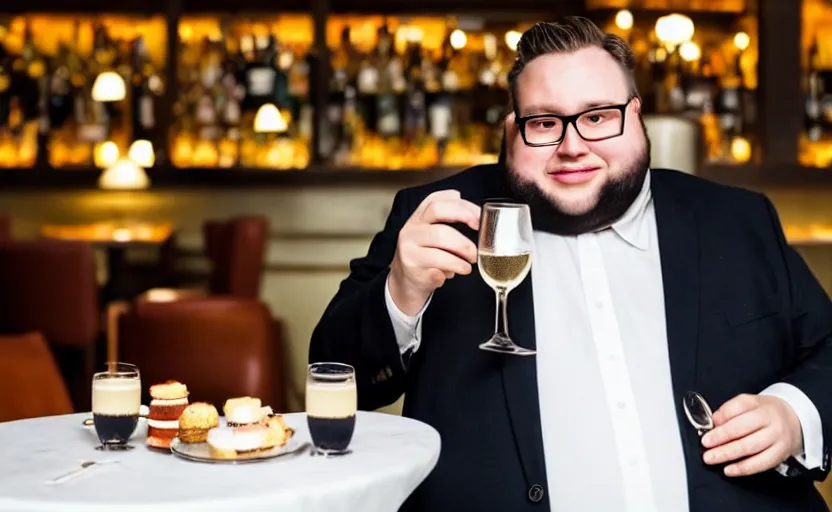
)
(221, 442)
(168, 400)
(245, 411)
(230, 442)
(195, 422)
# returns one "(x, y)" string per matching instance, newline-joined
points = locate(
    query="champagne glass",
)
(504, 260)
(698, 412)
(116, 400)
(331, 404)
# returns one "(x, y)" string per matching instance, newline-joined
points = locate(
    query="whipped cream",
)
(162, 424)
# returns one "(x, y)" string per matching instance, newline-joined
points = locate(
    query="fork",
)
(75, 472)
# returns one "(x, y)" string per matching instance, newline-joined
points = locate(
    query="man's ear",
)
(637, 105)
(509, 126)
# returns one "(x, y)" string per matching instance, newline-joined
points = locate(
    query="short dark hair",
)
(571, 34)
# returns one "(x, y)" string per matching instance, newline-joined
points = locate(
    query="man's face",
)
(583, 182)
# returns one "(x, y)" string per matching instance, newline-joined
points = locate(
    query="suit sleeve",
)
(811, 328)
(356, 328)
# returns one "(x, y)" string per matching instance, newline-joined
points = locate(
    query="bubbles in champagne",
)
(116, 397)
(504, 271)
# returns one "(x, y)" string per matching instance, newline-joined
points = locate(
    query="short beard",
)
(614, 199)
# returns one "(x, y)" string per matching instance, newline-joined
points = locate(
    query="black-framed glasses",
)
(595, 124)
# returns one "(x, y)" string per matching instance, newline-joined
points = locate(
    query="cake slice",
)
(168, 401)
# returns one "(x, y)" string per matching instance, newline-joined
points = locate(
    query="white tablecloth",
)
(391, 456)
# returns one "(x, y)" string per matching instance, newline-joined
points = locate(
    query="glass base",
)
(114, 447)
(330, 453)
(504, 345)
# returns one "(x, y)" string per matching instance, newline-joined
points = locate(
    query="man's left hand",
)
(759, 432)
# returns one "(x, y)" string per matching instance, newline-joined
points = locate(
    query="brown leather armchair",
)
(236, 249)
(220, 347)
(30, 382)
(49, 286)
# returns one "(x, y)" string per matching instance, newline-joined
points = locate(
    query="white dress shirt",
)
(606, 401)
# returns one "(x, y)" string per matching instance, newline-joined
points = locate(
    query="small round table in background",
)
(391, 455)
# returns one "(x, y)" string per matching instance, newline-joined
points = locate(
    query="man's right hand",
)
(430, 252)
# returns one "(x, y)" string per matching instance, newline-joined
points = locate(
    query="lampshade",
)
(141, 152)
(674, 29)
(124, 175)
(105, 154)
(269, 120)
(109, 86)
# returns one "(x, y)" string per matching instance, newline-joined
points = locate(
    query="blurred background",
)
(198, 153)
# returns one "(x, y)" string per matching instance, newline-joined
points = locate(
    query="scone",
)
(279, 433)
(245, 410)
(195, 422)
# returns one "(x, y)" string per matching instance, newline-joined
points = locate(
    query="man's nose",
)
(572, 143)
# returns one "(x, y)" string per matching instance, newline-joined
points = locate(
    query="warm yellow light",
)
(674, 29)
(624, 19)
(141, 152)
(741, 149)
(124, 175)
(269, 120)
(109, 86)
(742, 40)
(690, 51)
(105, 154)
(458, 39)
(513, 39)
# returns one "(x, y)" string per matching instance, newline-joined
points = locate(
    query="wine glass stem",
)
(501, 328)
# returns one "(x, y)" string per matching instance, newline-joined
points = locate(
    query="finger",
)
(740, 404)
(452, 211)
(760, 462)
(736, 428)
(746, 446)
(439, 195)
(441, 236)
(443, 261)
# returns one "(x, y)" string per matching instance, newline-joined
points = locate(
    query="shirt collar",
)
(632, 226)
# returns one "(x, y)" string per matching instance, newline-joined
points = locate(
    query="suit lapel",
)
(680, 262)
(520, 385)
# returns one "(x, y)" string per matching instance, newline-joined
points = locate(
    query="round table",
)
(391, 455)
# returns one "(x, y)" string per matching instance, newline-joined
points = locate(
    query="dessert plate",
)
(201, 452)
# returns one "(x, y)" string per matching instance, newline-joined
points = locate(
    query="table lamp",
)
(269, 120)
(108, 87)
(124, 174)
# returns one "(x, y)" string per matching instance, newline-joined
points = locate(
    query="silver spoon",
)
(75, 472)
(698, 412)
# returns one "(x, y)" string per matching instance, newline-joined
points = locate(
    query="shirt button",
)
(622, 404)
(633, 462)
(536, 493)
(599, 304)
(612, 358)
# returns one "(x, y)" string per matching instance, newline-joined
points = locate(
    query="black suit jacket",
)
(742, 309)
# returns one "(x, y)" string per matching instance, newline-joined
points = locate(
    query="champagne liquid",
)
(116, 397)
(504, 271)
(331, 400)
